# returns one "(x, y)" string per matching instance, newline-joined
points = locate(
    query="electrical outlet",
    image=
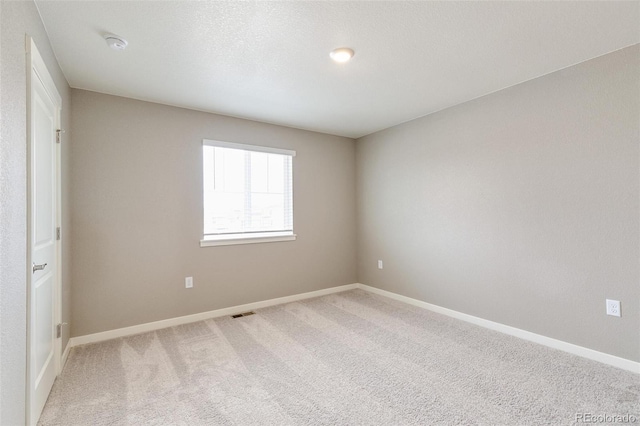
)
(379, 264)
(613, 307)
(188, 282)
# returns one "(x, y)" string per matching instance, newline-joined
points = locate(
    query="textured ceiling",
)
(269, 61)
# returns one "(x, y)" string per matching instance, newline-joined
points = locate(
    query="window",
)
(247, 193)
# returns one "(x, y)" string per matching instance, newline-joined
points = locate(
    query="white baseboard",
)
(602, 357)
(157, 325)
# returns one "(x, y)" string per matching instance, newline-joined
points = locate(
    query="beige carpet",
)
(351, 358)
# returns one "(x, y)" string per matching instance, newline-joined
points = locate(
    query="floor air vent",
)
(246, 314)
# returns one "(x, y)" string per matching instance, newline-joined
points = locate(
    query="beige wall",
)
(137, 215)
(19, 18)
(520, 207)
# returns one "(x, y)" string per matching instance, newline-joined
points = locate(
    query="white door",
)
(43, 352)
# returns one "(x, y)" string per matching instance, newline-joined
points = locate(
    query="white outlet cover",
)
(613, 307)
(379, 264)
(188, 282)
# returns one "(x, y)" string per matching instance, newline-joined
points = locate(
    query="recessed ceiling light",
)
(116, 42)
(342, 54)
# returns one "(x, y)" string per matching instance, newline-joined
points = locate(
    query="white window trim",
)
(258, 237)
(244, 147)
(213, 240)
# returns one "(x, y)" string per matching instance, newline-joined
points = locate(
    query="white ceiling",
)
(269, 61)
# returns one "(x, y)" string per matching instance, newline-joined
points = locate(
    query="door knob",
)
(39, 267)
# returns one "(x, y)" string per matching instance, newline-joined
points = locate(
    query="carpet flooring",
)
(351, 358)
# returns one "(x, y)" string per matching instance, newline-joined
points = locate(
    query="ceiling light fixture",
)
(116, 42)
(342, 54)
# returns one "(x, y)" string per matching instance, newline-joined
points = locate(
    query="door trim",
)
(37, 66)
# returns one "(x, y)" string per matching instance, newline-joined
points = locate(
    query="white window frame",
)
(211, 240)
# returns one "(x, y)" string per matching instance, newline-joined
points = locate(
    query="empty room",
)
(319, 212)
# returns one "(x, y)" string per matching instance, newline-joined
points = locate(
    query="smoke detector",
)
(116, 42)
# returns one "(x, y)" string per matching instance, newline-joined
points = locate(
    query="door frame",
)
(36, 68)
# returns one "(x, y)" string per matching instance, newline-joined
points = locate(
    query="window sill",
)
(228, 240)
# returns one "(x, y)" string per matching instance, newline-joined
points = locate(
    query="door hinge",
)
(59, 329)
(59, 133)
(58, 233)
